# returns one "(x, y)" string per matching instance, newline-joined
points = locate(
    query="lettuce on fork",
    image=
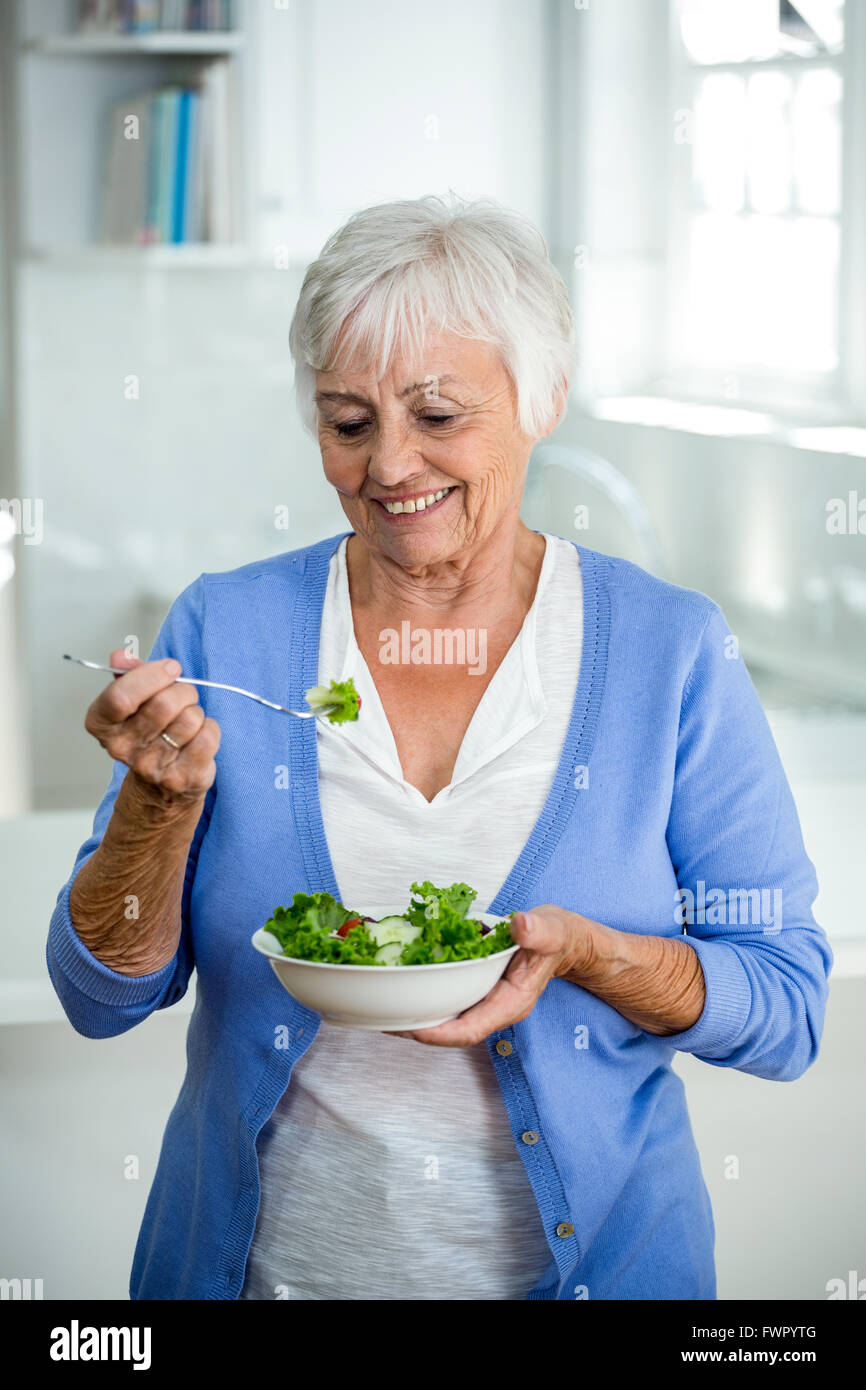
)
(434, 929)
(342, 695)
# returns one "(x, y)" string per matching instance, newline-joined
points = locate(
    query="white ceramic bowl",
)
(386, 998)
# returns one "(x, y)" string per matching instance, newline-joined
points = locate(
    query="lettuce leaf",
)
(304, 931)
(446, 931)
(426, 904)
(341, 694)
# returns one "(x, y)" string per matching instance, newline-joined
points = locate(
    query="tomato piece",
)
(347, 926)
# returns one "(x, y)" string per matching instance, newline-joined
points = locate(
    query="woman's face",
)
(444, 425)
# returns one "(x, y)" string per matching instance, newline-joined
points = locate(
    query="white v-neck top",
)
(388, 1168)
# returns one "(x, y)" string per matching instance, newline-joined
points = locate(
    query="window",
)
(757, 244)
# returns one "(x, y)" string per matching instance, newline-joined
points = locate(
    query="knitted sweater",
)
(669, 811)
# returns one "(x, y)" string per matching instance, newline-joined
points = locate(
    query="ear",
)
(560, 402)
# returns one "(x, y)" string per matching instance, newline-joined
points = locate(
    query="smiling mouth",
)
(424, 502)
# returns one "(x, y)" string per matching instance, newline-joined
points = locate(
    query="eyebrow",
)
(407, 391)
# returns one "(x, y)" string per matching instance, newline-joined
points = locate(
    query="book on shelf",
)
(168, 164)
(155, 16)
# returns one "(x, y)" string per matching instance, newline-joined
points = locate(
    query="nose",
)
(393, 459)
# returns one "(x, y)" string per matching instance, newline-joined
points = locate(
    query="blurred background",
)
(698, 169)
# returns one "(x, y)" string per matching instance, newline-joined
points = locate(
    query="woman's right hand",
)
(129, 716)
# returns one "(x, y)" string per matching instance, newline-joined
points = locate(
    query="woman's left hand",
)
(552, 942)
(656, 982)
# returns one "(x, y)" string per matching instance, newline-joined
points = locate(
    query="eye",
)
(350, 428)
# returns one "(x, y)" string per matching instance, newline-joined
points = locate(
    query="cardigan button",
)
(565, 1228)
(529, 1136)
(504, 1048)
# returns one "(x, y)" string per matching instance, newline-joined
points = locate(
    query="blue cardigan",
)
(669, 798)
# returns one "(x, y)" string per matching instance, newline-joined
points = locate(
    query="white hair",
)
(397, 271)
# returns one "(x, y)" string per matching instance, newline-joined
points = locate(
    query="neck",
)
(489, 577)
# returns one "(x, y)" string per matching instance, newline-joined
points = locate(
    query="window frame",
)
(838, 394)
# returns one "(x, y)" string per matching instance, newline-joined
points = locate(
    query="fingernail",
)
(528, 925)
(172, 666)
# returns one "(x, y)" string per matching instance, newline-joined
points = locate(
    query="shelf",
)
(178, 44)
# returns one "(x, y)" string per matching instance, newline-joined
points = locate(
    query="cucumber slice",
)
(391, 935)
(390, 953)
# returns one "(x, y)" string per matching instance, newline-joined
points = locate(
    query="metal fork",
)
(217, 685)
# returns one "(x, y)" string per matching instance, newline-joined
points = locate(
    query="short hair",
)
(396, 271)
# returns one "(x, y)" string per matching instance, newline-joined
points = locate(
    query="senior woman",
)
(605, 771)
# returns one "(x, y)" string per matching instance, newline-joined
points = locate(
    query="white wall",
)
(358, 104)
(140, 495)
(614, 141)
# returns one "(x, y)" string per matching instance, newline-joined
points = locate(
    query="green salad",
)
(434, 929)
(340, 699)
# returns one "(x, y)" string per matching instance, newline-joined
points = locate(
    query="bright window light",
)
(716, 260)
(755, 285)
(683, 415)
(729, 32)
(832, 439)
(770, 154)
(817, 141)
(719, 150)
(762, 292)
(826, 18)
(741, 31)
